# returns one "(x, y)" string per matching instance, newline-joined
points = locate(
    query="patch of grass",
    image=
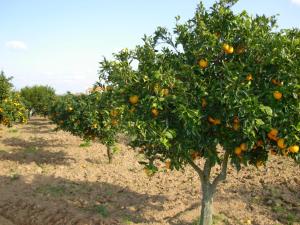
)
(101, 210)
(217, 219)
(278, 209)
(31, 149)
(287, 216)
(14, 176)
(13, 130)
(115, 149)
(52, 190)
(220, 218)
(85, 144)
(126, 220)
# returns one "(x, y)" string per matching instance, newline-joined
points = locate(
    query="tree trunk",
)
(109, 155)
(208, 187)
(206, 208)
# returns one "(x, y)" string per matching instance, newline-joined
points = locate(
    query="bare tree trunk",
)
(209, 188)
(206, 208)
(109, 155)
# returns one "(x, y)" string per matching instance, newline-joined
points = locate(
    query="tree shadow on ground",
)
(51, 200)
(34, 150)
(280, 201)
(275, 201)
(37, 142)
(39, 156)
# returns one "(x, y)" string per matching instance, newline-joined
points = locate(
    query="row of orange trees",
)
(89, 117)
(218, 79)
(11, 107)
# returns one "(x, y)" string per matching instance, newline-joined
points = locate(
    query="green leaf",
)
(259, 122)
(266, 109)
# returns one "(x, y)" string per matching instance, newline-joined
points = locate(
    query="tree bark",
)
(206, 209)
(209, 188)
(109, 155)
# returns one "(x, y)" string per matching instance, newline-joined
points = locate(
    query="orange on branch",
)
(134, 99)
(238, 151)
(277, 95)
(294, 149)
(203, 63)
(280, 143)
(154, 112)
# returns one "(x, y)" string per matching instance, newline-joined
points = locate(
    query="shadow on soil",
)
(51, 200)
(33, 150)
(281, 201)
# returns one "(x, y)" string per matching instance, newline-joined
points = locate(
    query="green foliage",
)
(39, 98)
(11, 106)
(191, 88)
(5, 86)
(91, 117)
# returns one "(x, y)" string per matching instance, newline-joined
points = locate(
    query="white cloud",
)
(296, 2)
(16, 45)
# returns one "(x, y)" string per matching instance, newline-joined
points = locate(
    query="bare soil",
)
(47, 178)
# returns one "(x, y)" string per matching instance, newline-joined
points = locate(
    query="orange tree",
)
(218, 79)
(11, 106)
(38, 98)
(87, 116)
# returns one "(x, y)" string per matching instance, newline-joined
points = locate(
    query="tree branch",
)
(223, 173)
(197, 169)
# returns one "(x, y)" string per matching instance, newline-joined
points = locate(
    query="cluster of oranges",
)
(273, 135)
(228, 49)
(240, 149)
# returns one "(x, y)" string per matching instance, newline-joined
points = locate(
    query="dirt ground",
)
(52, 178)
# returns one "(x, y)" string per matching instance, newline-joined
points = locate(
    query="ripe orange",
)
(249, 77)
(273, 134)
(238, 151)
(203, 63)
(230, 50)
(280, 143)
(165, 91)
(134, 99)
(294, 149)
(277, 95)
(114, 113)
(226, 47)
(154, 112)
(244, 146)
(114, 122)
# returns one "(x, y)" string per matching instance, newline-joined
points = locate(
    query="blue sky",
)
(60, 42)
